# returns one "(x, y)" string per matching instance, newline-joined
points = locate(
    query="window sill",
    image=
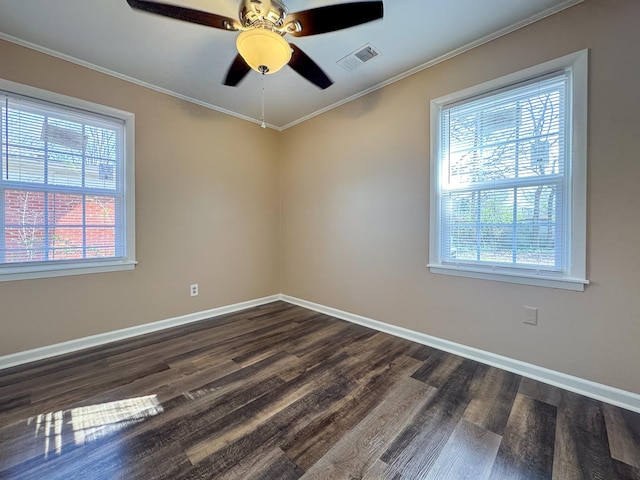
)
(29, 272)
(565, 283)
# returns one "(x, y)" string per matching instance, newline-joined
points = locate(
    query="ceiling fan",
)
(264, 23)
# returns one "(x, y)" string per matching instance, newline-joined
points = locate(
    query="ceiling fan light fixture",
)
(262, 48)
(263, 23)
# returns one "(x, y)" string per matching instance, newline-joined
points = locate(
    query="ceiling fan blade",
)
(185, 14)
(334, 17)
(237, 71)
(309, 69)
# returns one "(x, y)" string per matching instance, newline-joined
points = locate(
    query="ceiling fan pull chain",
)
(263, 124)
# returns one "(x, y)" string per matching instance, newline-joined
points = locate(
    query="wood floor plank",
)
(279, 468)
(540, 391)
(233, 462)
(495, 393)
(437, 368)
(415, 451)
(301, 418)
(526, 451)
(274, 466)
(381, 471)
(285, 340)
(623, 428)
(322, 351)
(200, 444)
(370, 347)
(224, 348)
(469, 454)
(625, 472)
(234, 459)
(195, 341)
(423, 352)
(355, 454)
(108, 379)
(311, 443)
(24, 382)
(581, 447)
(10, 402)
(332, 332)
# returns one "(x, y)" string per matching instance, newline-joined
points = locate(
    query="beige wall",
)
(207, 209)
(355, 193)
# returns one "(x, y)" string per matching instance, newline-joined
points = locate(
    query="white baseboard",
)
(598, 391)
(48, 351)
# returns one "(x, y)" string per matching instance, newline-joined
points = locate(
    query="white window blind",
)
(62, 185)
(506, 199)
(504, 173)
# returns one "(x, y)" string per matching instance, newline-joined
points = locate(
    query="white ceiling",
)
(190, 61)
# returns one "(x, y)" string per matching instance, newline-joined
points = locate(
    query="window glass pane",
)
(24, 164)
(57, 165)
(100, 210)
(23, 127)
(496, 243)
(536, 249)
(542, 156)
(463, 243)
(460, 232)
(100, 242)
(23, 147)
(65, 243)
(462, 208)
(101, 165)
(537, 234)
(102, 143)
(59, 226)
(65, 209)
(100, 173)
(541, 111)
(515, 133)
(24, 208)
(24, 244)
(64, 169)
(480, 226)
(496, 226)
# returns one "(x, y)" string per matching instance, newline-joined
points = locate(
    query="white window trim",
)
(576, 279)
(46, 270)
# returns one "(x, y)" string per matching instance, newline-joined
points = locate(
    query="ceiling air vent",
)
(359, 57)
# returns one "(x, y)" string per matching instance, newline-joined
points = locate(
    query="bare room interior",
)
(352, 264)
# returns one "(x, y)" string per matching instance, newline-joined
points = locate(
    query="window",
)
(508, 182)
(66, 185)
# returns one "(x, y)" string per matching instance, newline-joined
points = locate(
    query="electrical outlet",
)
(193, 289)
(530, 315)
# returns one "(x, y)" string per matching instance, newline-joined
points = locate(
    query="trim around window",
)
(57, 268)
(573, 275)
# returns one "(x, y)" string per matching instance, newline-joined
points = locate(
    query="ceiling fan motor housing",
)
(262, 13)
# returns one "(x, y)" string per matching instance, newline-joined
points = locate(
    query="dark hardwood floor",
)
(280, 392)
